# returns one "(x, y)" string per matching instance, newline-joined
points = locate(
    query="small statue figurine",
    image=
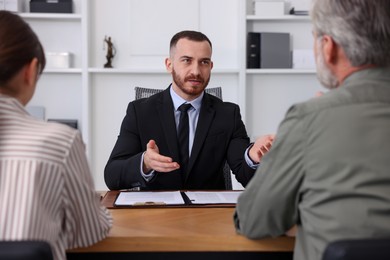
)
(110, 52)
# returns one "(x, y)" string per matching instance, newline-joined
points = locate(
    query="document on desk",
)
(212, 197)
(151, 198)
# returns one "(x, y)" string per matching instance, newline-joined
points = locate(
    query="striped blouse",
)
(46, 188)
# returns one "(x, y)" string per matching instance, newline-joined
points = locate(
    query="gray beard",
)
(324, 75)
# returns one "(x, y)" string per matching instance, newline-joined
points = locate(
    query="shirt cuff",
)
(147, 176)
(248, 159)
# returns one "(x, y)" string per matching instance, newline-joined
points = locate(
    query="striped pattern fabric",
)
(46, 188)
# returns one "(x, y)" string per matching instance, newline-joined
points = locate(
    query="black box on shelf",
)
(268, 50)
(51, 6)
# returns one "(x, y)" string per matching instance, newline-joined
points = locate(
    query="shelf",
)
(51, 16)
(225, 71)
(126, 71)
(62, 71)
(150, 71)
(274, 18)
(280, 71)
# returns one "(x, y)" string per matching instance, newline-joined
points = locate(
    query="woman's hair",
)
(360, 27)
(18, 46)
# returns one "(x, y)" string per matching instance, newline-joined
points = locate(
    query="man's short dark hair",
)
(190, 35)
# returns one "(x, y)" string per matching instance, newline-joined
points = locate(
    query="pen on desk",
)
(149, 203)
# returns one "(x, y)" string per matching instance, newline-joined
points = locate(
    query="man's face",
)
(324, 74)
(190, 65)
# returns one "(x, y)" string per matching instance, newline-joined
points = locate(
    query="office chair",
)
(358, 249)
(217, 91)
(25, 250)
(147, 92)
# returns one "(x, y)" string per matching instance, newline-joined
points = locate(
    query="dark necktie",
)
(183, 136)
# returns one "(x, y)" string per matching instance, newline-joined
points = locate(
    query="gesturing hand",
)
(153, 160)
(261, 147)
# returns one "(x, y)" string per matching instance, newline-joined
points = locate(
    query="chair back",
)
(217, 91)
(358, 249)
(25, 250)
(147, 92)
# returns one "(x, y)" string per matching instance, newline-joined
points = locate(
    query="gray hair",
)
(360, 27)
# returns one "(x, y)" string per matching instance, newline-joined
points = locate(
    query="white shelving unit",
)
(51, 16)
(280, 71)
(63, 92)
(250, 17)
(97, 97)
(270, 92)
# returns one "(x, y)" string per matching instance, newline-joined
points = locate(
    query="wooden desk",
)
(194, 229)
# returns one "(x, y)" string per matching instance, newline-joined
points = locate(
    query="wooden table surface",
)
(196, 229)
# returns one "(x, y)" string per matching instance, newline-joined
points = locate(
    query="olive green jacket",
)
(328, 171)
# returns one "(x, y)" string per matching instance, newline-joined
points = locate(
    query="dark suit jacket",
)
(220, 136)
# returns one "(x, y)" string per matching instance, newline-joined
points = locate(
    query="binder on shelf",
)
(253, 50)
(268, 50)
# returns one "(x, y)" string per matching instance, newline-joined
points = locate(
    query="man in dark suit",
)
(216, 131)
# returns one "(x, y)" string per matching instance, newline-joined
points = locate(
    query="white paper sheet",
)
(149, 198)
(212, 197)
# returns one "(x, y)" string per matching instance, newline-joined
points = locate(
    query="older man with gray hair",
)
(328, 172)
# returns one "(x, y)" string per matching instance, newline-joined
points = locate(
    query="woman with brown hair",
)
(46, 188)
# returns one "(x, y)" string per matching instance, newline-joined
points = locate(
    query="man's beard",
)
(324, 75)
(193, 91)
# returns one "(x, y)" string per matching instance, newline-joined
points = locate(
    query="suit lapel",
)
(167, 120)
(205, 120)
